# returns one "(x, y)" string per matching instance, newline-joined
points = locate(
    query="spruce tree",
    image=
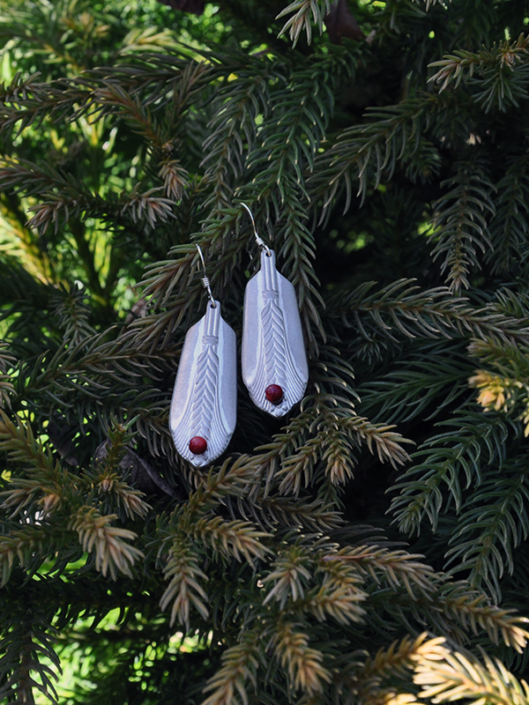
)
(371, 547)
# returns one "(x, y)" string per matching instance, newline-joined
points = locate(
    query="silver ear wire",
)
(262, 245)
(205, 280)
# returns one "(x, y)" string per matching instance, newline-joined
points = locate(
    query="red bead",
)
(198, 445)
(274, 394)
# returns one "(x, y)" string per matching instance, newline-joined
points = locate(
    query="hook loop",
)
(205, 280)
(262, 245)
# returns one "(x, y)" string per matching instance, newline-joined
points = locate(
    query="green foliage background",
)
(369, 549)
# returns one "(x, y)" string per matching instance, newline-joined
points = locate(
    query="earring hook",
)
(205, 280)
(260, 241)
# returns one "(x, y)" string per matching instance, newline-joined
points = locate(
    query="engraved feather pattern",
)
(274, 339)
(204, 392)
(274, 342)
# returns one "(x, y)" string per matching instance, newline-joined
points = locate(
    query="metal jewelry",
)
(204, 405)
(274, 361)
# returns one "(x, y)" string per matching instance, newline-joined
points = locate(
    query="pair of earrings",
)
(274, 363)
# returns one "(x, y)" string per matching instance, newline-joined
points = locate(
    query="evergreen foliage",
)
(372, 547)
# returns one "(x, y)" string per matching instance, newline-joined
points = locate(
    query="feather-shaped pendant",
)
(204, 406)
(274, 361)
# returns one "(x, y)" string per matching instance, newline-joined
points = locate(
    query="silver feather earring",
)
(274, 361)
(204, 405)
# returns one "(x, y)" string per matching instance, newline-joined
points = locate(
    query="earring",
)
(274, 361)
(204, 405)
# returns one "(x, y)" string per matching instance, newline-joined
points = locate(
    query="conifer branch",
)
(473, 610)
(146, 206)
(460, 223)
(336, 431)
(492, 525)
(446, 675)
(22, 446)
(502, 71)
(508, 228)
(302, 19)
(22, 545)
(96, 534)
(27, 639)
(73, 313)
(171, 282)
(371, 152)
(456, 467)
(122, 495)
(237, 109)
(340, 603)
(233, 479)
(401, 309)
(509, 362)
(27, 103)
(388, 664)
(397, 569)
(239, 665)
(94, 367)
(174, 177)
(6, 386)
(303, 664)
(340, 593)
(184, 588)
(271, 511)
(290, 576)
(49, 489)
(424, 387)
(63, 198)
(233, 539)
(22, 241)
(117, 101)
